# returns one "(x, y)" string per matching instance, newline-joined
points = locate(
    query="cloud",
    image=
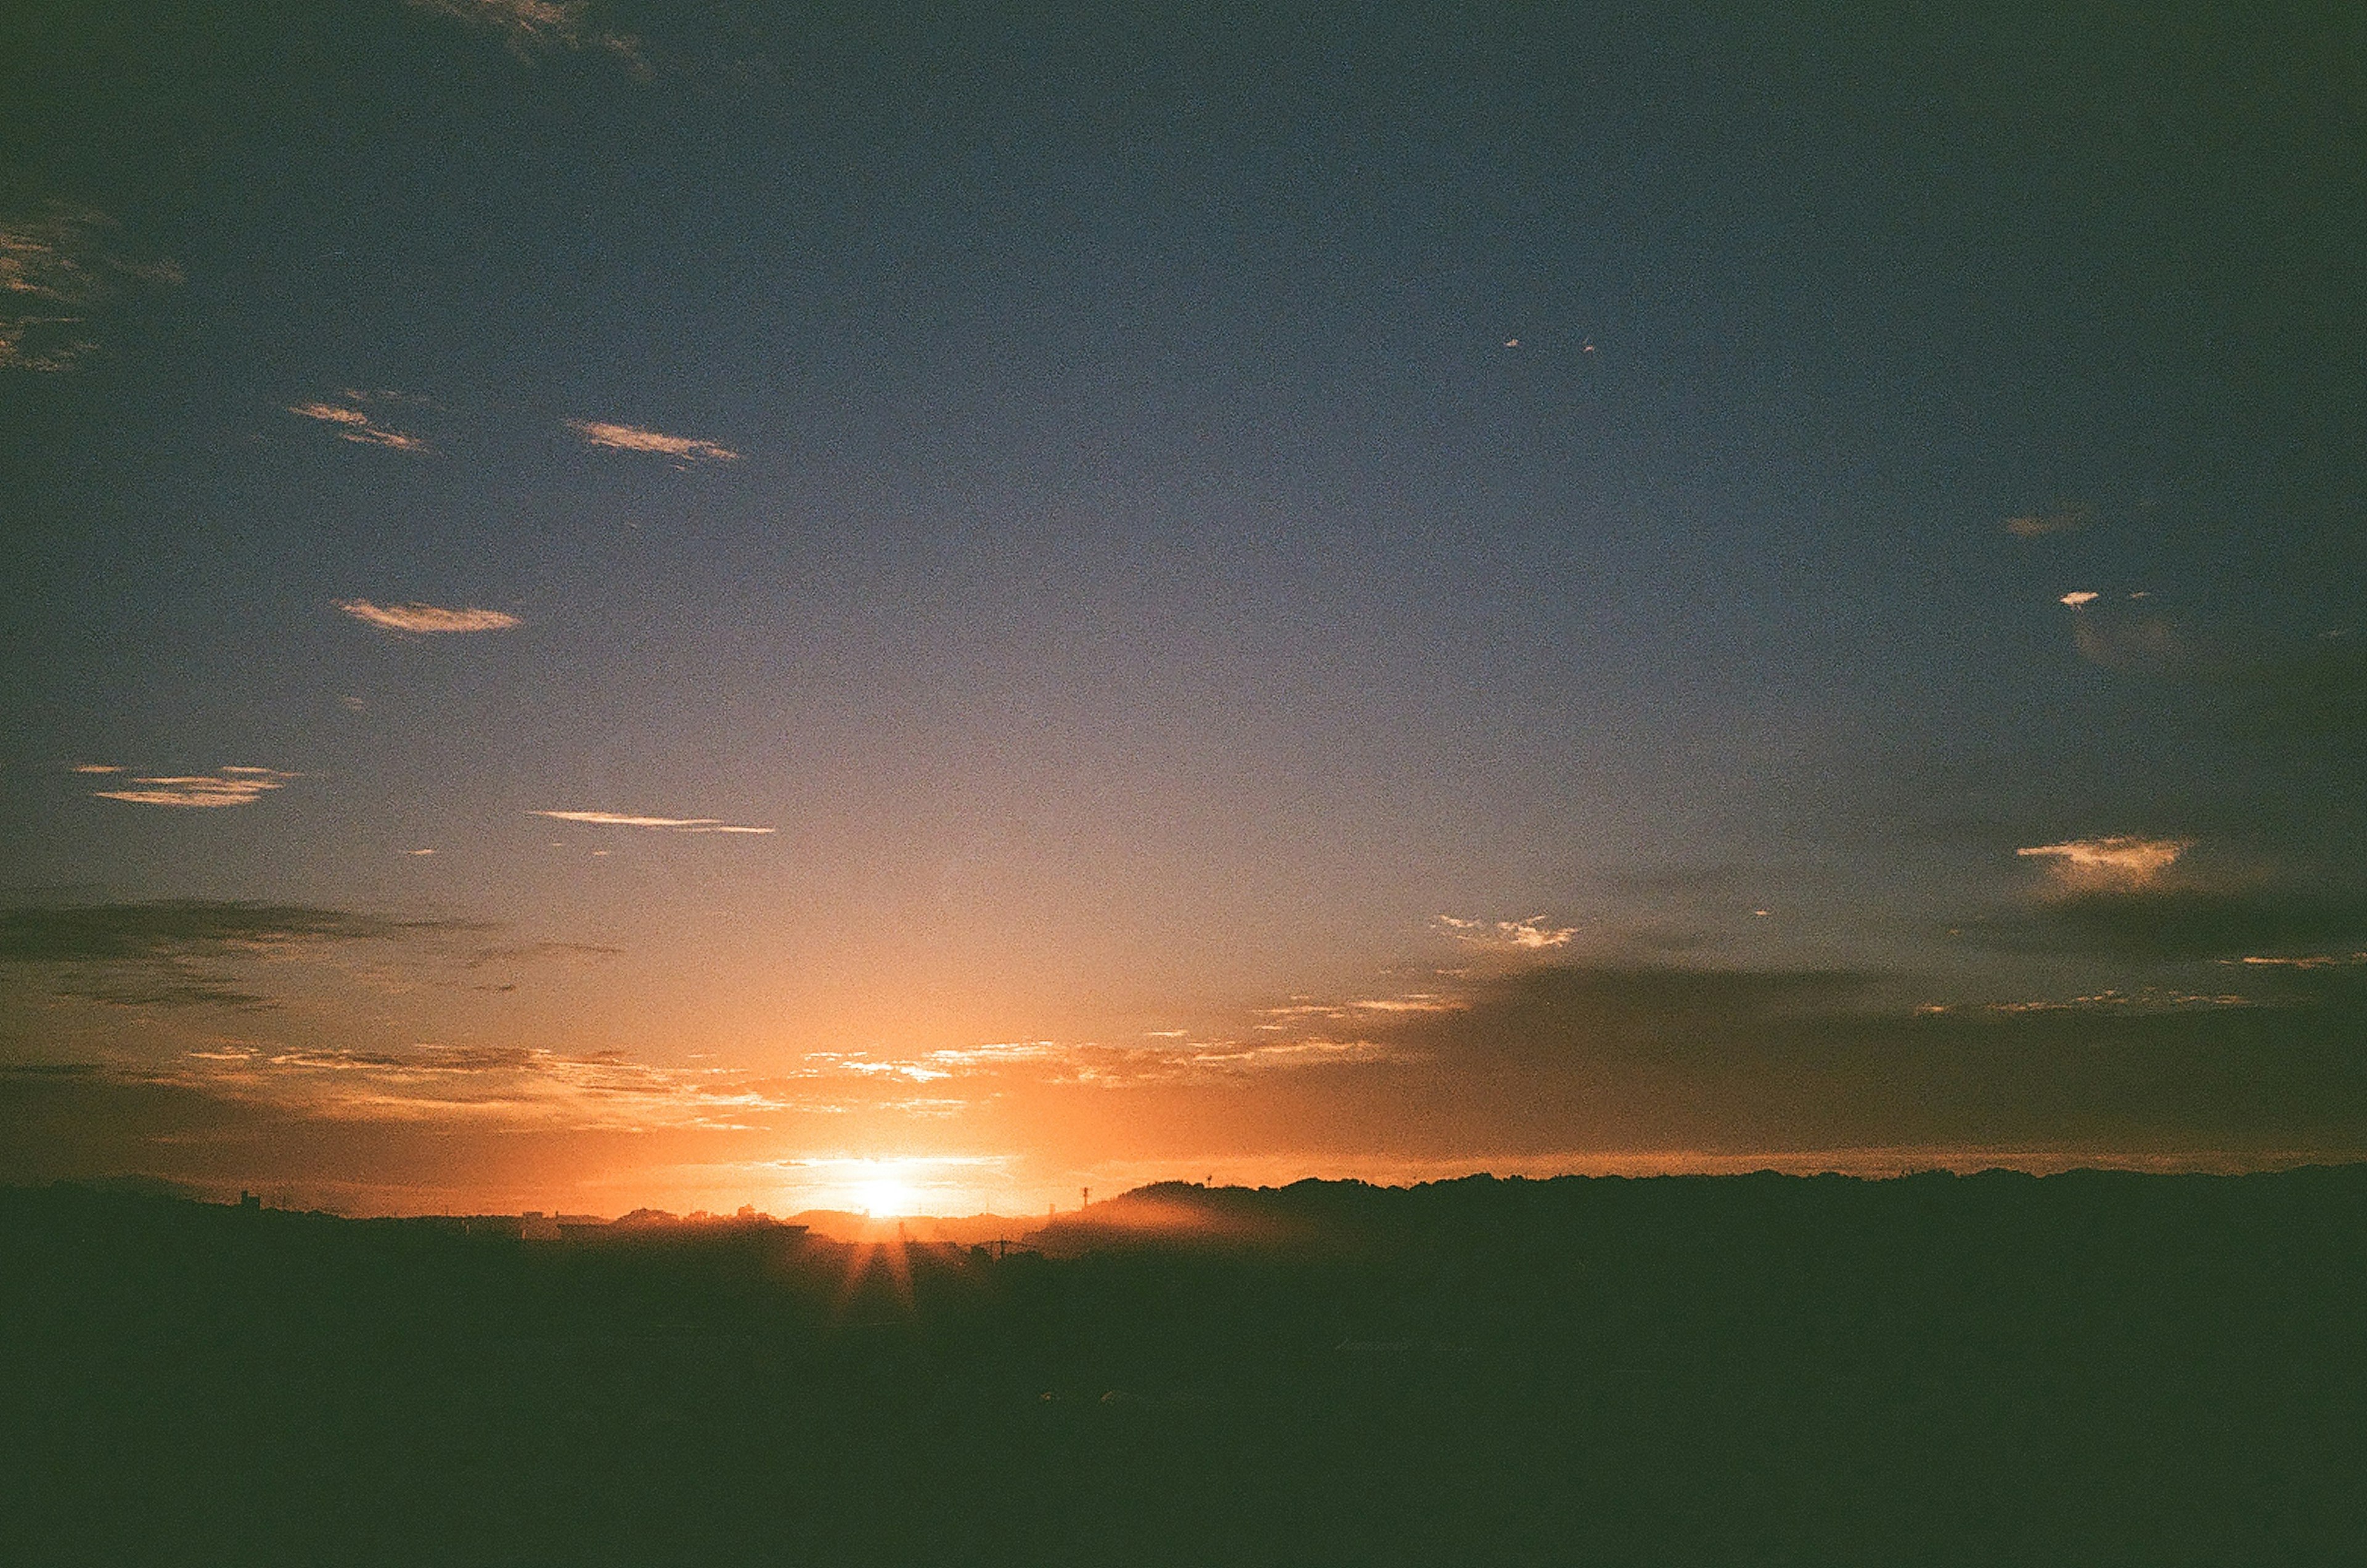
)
(510, 1084)
(1172, 1060)
(429, 1083)
(668, 824)
(514, 952)
(2120, 863)
(1419, 1002)
(2178, 924)
(532, 27)
(55, 272)
(151, 953)
(633, 438)
(83, 932)
(414, 617)
(2304, 961)
(1530, 935)
(2058, 520)
(1283, 1054)
(2077, 597)
(1644, 1057)
(96, 768)
(230, 786)
(353, 424)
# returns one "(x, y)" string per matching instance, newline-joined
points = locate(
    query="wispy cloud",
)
(533, 26)
(1419, 1002)
(168, 953)
(2119, 864)
(1171, 1060)
(1280, 1055)
(2304, 960)
(436, 1082)
(96, 768)
(229, 786)
(56, 271)
(2054, 520)
(414, 617)
(665, 824)
(352, 424)
(2151, 998)
(2172, 921)
(633, 438)
(1530, 935)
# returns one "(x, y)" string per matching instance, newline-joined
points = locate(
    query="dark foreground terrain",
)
(2084, 1369)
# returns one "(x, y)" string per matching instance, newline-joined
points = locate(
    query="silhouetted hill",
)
(2082, 1368)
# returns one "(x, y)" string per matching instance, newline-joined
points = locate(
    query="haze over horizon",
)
(612, 604)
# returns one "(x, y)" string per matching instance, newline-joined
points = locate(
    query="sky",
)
(696, 604)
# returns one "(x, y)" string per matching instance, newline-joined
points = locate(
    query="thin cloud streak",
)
(53, 273)
(633, 438)
(230, 786)
(427, 619)
(665, 824)
(355, 425)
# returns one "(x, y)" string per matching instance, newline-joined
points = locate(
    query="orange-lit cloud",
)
(431, 1082)
(417, 617)
(1530, 935)
(2305, 961)
(532, 26)
(633, 438)
(1419, 1002)
(353, 424)
(229, 786)
(54, 274)
(1172, 1060)
(2077, 597)
(664, 824)
(2120, 863)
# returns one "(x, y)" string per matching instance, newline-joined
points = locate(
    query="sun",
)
(885, 1198)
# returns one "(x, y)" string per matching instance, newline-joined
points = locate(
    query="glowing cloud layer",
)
(2122, 863)
(666, 824)
(1530, 935)
(427, 617)
(355, 425)
(633, 438)
(230, 786)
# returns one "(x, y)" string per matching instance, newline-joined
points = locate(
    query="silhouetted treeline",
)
(2083, 1369)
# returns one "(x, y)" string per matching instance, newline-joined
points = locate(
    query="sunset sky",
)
(696, 605)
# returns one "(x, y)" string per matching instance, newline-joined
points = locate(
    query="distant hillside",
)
(1581, 1211)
